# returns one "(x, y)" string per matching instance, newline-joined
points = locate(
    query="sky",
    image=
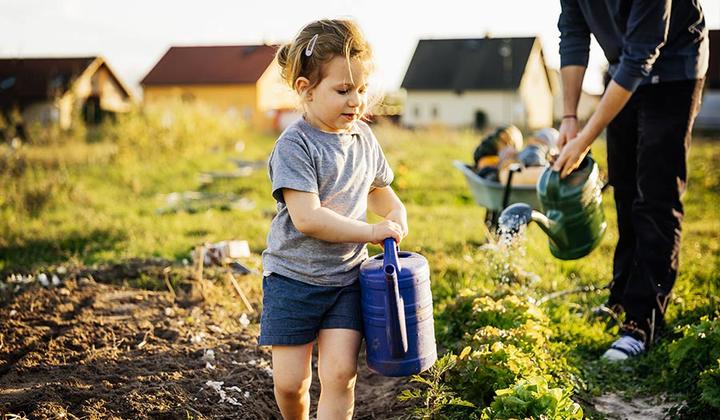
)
(133, 34)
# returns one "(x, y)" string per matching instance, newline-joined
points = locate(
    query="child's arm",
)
(312, 219)
(385, 203)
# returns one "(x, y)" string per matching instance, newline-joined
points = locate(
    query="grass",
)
(83, 198)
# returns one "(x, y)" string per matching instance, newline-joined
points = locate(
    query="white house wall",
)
(586, 105)
(536, 92)
(424, 108)
(709, 115)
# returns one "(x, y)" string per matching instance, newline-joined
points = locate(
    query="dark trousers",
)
(647, 146)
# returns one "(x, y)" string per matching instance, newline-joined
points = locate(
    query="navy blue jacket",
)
(645, 41)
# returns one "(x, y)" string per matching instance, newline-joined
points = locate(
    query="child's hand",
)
(386, 229)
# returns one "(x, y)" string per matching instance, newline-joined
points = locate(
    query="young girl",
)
(327, 169)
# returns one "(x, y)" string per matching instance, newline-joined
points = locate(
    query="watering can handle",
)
(395, 327)
(553, 185)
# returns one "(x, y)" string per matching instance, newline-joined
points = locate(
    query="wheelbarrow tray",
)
(489, 194)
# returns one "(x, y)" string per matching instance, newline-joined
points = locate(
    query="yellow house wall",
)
(65, 106)
(101, 83)
(235, 99)
(273, 92)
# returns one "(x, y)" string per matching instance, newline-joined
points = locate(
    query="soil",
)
(616, 407)
(92, 349)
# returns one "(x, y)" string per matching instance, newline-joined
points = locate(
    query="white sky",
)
(133, 34)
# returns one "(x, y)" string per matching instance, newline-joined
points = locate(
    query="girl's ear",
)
(301, 87)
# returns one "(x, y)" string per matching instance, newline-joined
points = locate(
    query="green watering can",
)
(572, 214)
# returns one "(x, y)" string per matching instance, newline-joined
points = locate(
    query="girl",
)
(327, 169)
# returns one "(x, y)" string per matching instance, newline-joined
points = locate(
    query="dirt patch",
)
(616, 407)
(95, 350)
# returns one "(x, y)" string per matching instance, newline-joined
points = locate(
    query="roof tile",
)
(211, 64)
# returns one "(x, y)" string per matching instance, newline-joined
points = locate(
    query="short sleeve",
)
(291, 166)
(383, 174)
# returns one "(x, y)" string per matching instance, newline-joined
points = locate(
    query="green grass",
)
(67, 200)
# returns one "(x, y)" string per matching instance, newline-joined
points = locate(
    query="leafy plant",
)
(533, 398)
(505, 343)
(695, 366)
(694, 352)
(436, 396)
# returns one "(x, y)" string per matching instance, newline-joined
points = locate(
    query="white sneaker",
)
(623, 348)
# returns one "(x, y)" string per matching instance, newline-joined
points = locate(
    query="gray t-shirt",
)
(341, 169)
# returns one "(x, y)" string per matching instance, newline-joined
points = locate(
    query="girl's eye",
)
(343, 91)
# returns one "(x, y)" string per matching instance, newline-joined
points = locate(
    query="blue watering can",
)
(397, 312)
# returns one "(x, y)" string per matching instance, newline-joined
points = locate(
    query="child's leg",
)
(337, 367)
(292, 374)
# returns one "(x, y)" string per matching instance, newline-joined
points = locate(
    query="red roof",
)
(211, 64)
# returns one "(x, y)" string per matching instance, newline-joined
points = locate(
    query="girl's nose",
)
(354, 99)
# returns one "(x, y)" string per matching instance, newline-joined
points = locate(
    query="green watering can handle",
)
(553, 185)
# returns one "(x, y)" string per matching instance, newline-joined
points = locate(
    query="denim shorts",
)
(294, 312)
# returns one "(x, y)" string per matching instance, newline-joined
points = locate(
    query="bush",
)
(695, 366)
(709, 385)
(532, 398)
(507, 363)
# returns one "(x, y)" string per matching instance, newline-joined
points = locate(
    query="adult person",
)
(657, 52)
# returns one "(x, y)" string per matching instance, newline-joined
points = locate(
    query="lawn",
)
(85, 198)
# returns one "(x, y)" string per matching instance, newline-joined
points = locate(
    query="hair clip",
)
(311, 45)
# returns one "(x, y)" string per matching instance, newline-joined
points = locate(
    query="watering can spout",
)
(513, 218)
(547, 225)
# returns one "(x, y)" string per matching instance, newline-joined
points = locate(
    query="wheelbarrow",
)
(494, 196)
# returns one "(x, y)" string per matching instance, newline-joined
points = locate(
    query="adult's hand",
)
(568, 130)
(572, 154)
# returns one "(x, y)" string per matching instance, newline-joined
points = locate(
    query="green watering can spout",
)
(521, 214)
(548, 225)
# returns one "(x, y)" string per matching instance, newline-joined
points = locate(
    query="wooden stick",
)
(584, 289)
(240, 292)
(166, 270)
(200, 415)
(200, 253)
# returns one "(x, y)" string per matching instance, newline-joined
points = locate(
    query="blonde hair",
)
(333, 37)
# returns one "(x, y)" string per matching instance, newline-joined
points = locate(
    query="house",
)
(478, 83)
(56, 90)
(240, 80)
(709, 116)
(586, 105)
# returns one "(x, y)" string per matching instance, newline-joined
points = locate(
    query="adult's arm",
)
(574, 53)
(646, 33)
(572, 79)
(574, 151)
